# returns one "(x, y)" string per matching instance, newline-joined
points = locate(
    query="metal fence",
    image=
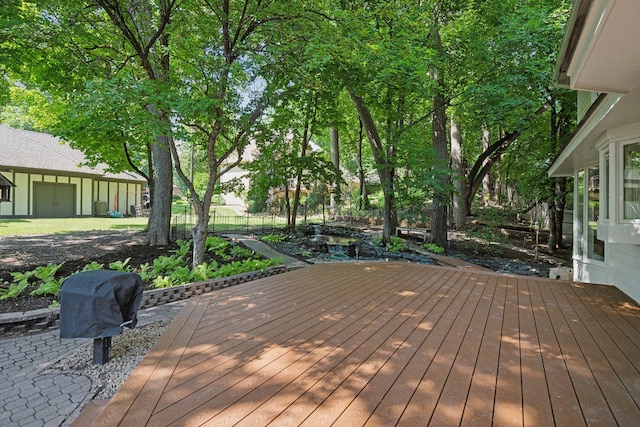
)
(181, 224)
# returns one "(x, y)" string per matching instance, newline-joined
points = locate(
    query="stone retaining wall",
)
(48, 318)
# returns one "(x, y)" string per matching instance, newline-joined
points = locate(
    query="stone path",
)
(31, 394)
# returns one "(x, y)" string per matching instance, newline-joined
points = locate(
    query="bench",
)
(412, 230)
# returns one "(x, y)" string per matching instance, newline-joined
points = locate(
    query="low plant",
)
(19, 284)
(433, 248)
(396, 244)
(273, 238)
(165, 271)
(240, 252)
(218, 246)
(121, 265)
(49, 284)
(92, 266)
(162, 282)
(161, 266)
(183, 248)
(238, 267)
(204, 271)
(487, 234)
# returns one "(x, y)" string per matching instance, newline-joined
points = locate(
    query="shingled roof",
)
(27, 150)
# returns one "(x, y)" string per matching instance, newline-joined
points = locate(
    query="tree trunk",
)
(303, 152)
(556, 212)
(199, 233)
(159, 226)
(439, 140)
(439, 206)
(335, 159)
(363, 200)
(457, 164)
(560, 121)
(287, 204)
(385, 169)
(486, 180)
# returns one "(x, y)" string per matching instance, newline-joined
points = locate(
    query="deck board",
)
(392, 344)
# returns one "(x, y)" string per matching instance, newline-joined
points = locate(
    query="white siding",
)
(77, 183)
(87, 196)
(622, 260)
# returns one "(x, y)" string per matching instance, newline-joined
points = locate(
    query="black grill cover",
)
(96, 304)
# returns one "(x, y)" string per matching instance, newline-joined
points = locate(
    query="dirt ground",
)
(25, 253)
(20, 254)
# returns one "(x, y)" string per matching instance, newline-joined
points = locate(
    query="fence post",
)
(213, 226)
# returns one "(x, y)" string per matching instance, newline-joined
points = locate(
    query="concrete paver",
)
(31, 394)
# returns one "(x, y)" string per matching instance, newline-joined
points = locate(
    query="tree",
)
(439, 131)
(498, 80)
(381, 62)
(196, 72)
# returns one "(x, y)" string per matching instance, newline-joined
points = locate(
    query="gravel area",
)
(127, 350)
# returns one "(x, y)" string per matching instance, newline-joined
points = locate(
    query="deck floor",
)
(382, 344)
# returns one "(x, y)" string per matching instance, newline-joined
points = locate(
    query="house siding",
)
(622, 260)
(86, 193)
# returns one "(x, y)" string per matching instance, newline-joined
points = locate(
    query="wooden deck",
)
(382, 344)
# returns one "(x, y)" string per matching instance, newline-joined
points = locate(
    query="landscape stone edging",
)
(48, 318)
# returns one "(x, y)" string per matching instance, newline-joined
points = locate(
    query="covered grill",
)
(98, 304)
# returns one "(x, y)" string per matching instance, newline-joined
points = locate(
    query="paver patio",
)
(384, 344)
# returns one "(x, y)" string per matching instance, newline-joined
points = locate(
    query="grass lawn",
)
(30, 226)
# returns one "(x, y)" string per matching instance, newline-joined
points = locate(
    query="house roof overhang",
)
(4, 182)
(600, 53)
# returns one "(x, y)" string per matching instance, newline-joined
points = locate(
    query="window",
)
(595, 246)
(631, 185)
(587, 214)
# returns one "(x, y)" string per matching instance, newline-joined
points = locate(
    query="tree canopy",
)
(135, 83)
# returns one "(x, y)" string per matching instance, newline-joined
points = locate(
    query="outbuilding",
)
(50, 180)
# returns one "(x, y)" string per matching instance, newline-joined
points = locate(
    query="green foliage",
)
(397, 244)
(121, 265)
(93, 265)
(238, 267)
(218, 246)
(183, 248)
(49, 284)
(237, 251)
(19, 284)
(161, 266)
(204, 271)
(14, 289)
(487, 234)
(163, 282)
(212, 271)
(433, 248)
(163, 272)
(274, 238)
(496, 216)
